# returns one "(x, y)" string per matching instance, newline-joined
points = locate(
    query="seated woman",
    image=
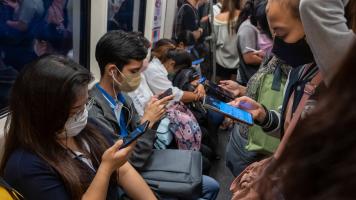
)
(50, 151)
(182, 122)
(186, 78)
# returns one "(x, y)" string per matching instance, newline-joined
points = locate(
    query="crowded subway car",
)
(177, 99)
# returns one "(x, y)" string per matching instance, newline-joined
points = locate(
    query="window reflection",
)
(121, 15)
(28, 29)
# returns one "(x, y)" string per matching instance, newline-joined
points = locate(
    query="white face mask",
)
(75, 124)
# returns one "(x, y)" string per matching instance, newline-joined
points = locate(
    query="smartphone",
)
(251, 49)
(219, 90)
(202, 80)
(166, 93)
(228, 110)
(139, 131)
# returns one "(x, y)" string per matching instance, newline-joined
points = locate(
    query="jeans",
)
(210, 188)
(237, 157)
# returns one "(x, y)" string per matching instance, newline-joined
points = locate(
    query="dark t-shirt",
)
(187, 19)
(36, 180)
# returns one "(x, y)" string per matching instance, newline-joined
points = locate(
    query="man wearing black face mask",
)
(291, 47)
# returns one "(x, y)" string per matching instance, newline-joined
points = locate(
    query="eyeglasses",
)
(88, 105)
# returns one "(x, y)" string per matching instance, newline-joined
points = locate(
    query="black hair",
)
(261, 19)
(181, 58)
(246, 12)
(119, 47)
(186, 37)
(40, 103)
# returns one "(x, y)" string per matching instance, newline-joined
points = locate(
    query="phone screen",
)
(229, 110)
(220, 90)
(139, 131)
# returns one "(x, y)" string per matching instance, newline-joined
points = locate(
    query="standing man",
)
(188, 20)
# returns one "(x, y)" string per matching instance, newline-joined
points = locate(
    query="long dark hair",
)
(231, 6)
(351, 15)
(40, 102)
(319, 161)
(246, 12)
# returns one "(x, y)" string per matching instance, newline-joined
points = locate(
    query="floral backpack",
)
(184, 126)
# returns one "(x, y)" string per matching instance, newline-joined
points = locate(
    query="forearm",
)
(189, 97)
(252, 59)
(197, 34)
(133, 184)
(99, 186)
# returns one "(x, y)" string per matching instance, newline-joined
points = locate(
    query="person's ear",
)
(171, 64)
(111, 69)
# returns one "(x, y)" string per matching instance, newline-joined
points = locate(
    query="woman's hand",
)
(251, 106)
(155, 110)
(233, 87)
(114, 157)
(200, 91)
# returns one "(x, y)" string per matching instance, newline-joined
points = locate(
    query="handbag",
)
(174, 173)
(244, 186)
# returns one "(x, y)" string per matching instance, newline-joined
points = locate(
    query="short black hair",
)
(119, 47)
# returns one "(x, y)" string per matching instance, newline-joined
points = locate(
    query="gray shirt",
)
(248, 37)
(226, 49)
(326, 31)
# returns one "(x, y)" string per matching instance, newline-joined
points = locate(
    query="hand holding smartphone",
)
(139, 131)
(228, 110)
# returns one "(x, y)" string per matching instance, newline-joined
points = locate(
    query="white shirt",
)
(157, 79)
(141, 96)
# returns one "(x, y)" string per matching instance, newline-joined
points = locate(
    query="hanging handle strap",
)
(309, 90)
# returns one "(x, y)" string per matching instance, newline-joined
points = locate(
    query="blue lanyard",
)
(116, 106)
(199, 61)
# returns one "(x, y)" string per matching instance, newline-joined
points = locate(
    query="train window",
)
(31, 28)
(121, 15)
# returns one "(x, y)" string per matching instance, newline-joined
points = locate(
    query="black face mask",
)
(294, 54)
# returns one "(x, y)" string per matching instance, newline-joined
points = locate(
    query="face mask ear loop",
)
(130, 116)
(113, 85)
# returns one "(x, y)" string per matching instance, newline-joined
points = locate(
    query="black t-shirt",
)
(187, 19)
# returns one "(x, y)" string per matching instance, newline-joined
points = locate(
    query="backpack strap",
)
(13, 193)
(277, 79)
(309, 90)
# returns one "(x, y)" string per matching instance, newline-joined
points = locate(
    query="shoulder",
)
(153, 67)
(24, 163)
(247, 28)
